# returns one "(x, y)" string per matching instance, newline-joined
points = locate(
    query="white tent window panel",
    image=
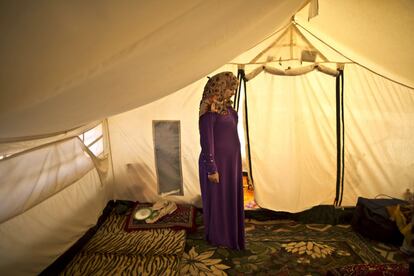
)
(97, 148)
(47, 170)
(93, 139)
(167, 150)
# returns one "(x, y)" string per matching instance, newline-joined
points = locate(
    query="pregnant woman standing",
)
(220, 164)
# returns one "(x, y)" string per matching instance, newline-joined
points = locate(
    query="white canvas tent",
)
(67, 67)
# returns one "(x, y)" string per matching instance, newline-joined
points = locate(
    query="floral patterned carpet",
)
(285, 248)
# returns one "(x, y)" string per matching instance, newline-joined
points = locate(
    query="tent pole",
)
(340, 139)
(341, 76)
(338, 142)
(237, 96)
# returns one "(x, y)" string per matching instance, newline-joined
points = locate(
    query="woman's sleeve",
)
(206, 126)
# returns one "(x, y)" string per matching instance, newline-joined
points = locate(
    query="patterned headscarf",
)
(216, 86)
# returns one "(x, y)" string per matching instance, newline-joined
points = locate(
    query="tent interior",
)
(92, 92)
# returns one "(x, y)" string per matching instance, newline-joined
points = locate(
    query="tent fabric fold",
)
(292, 71)
(301, 70)
(181, 42)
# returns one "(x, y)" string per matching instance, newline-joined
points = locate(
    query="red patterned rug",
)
(182, 218)
(400, 269)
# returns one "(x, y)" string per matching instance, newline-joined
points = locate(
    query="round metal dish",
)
(143, 213)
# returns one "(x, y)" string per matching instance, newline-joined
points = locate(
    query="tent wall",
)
(379, 131)
(293, 140)
(132, 146)
(51, 195)
(33, 240)
(46, 170)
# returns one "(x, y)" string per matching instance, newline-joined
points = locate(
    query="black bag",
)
(371, 220)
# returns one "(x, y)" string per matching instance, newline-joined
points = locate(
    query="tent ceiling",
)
(377, 34)
(65, 64)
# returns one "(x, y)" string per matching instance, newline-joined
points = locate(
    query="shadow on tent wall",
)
(137, 174)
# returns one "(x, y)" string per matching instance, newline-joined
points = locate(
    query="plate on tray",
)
(143, 213)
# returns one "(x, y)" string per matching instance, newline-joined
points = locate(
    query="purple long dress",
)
(223, 210)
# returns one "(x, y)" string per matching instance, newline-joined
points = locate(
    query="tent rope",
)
(269, 36)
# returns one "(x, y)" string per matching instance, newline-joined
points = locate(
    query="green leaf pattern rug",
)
(285, 248)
